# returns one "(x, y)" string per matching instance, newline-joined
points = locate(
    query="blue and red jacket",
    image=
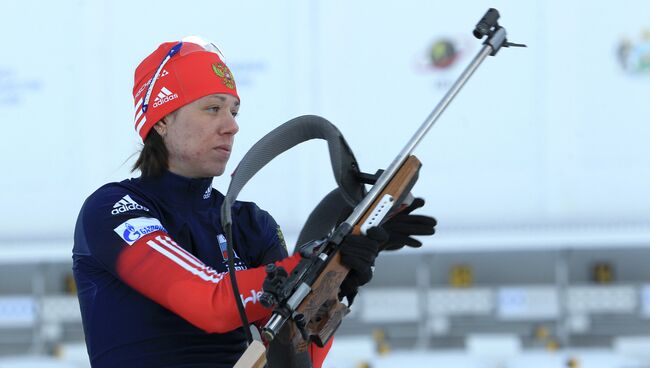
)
(150, 265)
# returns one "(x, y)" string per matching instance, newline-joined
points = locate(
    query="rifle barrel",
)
(383, 180)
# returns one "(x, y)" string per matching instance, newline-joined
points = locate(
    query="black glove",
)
(358, 253)
(403, 226)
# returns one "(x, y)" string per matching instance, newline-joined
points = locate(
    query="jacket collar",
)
(177, 189)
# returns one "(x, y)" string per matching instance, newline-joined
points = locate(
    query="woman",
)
(149, 253)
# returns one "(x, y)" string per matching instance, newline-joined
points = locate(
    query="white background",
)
(544, 140)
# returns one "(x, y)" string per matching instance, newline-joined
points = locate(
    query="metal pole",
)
(562, 285)
(38, 293)
(423, 287)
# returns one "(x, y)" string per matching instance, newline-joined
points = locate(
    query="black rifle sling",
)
(283, 138)
(349, 193)
(331, 210)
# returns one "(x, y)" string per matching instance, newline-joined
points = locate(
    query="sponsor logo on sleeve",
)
(132, 230)
(127, 204)
(254, 298)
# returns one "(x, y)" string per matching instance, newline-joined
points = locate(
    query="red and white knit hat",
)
(176, 74)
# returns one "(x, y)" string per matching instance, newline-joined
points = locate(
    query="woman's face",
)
(199, 136)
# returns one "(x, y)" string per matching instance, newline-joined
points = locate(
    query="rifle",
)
(309, 295)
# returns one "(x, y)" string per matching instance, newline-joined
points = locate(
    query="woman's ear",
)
(161, 127)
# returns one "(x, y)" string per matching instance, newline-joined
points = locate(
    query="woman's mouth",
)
(224, 148)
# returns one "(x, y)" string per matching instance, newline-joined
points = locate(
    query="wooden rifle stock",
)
(321, 309)
(253, 357)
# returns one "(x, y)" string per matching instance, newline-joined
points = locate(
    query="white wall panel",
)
(545, 138)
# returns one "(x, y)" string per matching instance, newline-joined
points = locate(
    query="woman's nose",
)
(231, 126)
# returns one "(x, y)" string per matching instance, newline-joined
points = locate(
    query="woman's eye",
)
(234, 114)
(214, 108)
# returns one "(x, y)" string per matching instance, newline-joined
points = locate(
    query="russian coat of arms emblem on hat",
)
(222, 71)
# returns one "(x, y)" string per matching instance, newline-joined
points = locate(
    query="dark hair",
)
(154, 157)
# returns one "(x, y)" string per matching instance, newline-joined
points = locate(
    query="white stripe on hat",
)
(138, 110)
(165, 91)
(139, 125)
(137, 117)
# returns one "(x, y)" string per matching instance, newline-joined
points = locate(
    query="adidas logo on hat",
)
(164, 96)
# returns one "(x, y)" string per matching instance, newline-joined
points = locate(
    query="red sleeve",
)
(158, 268)
(318, 354)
